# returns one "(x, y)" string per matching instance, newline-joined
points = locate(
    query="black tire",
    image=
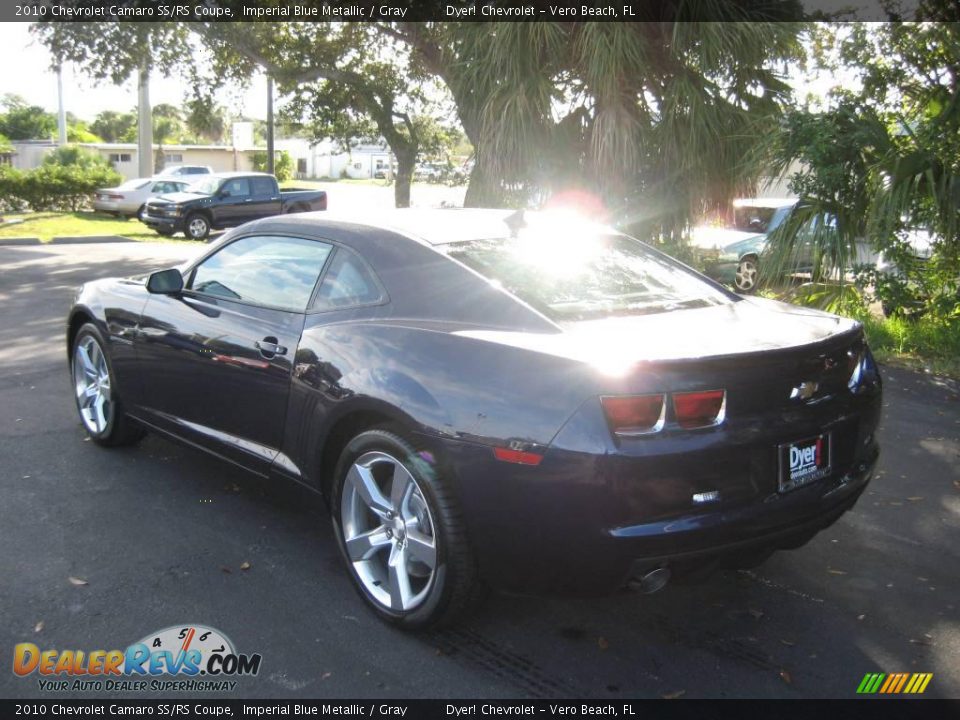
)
(453, 586)
(197, 226)
(747, 275)
(116, 428)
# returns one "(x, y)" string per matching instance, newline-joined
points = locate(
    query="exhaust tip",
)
(652, 581)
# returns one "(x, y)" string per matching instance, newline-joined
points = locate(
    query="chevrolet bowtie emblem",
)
(804, 391)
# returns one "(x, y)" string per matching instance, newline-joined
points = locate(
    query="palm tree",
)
(656, 117)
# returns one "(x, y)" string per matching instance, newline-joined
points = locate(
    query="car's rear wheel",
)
(747, 274)
(197, 226)
(98, 402)
(400, 533)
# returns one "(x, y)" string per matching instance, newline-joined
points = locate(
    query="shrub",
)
(53, 187)
(76, 155)
(282, 164)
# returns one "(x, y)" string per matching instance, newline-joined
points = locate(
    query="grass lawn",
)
(48, 225)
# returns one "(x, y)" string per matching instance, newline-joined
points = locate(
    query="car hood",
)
(715, 238)
(179, 197)
(746, 326)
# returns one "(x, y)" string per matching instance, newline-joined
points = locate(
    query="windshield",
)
(207, 186)
(753, 219)
(587, 277)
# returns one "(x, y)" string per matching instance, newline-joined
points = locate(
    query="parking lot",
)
(161, 535)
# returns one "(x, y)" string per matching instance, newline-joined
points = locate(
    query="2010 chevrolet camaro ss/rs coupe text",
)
(528, 401)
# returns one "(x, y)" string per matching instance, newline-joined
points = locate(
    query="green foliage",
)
(74, 155)
(54, 186)
(282, 164)
(885, 158)
(115, 127)
(20, 121)
(931, 341)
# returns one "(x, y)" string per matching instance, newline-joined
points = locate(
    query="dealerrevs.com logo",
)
(187, 658)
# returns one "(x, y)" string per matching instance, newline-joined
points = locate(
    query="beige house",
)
(123, 156)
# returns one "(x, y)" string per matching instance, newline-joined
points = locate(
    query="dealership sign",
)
(181, 657)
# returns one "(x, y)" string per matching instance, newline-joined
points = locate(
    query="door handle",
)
(269, 348)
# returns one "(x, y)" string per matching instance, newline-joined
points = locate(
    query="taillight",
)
(517, 456)
(699, 409)
(634, 414)
(115, 196)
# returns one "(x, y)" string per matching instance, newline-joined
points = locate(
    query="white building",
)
(29, 154)
(326, 159)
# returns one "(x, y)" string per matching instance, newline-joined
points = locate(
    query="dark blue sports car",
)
(528, 401)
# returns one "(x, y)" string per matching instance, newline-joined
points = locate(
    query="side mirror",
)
(165, 282)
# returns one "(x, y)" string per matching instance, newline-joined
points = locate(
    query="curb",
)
(88, 240)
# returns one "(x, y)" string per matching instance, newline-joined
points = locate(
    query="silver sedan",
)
(129, 198)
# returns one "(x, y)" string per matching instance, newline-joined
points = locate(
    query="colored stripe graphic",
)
(895, 683)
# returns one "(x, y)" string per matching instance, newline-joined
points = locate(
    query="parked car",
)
(734, 254)
(527, 401)
(225, 200)
(185, 170)
(429, 172)
(130, 198)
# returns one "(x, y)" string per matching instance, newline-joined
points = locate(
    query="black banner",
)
(877, 709)
(425, 10)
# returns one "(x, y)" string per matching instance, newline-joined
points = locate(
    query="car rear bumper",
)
(107, 206)
(585, 523)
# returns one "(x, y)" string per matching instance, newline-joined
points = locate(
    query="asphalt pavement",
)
(160, 535)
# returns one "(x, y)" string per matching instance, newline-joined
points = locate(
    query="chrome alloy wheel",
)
(198, 227)
(745, 279)
(388, 531)
(91, 379)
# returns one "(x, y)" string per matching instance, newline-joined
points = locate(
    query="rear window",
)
(587, 278)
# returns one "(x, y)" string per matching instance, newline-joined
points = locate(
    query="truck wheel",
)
(197, 226)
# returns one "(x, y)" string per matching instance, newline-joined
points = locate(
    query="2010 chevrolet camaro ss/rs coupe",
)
(526, 401)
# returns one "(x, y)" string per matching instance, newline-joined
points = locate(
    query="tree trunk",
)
(144, 124)
(406, 163)
(482, 189)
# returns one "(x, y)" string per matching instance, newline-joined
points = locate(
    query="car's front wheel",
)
(197, 226)
(747, 274)
(95, 390)
(400, 533)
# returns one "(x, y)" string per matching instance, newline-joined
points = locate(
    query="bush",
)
(282, 164)
(53, 187)
(69, 155)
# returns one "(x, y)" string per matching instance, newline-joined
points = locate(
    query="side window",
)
(236, 187)
(262, 186)
(279, 272)
(348, 282)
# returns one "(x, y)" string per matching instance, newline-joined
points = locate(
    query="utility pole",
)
(61, 112)
(270, 153)
(144, 124)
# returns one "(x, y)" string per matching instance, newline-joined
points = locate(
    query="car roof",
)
(765, 202)
(444, 226)
(236, 173)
